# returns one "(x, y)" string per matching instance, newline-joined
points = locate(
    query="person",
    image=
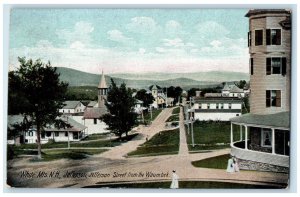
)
(174, 184)
(230, 165)
(236, 164)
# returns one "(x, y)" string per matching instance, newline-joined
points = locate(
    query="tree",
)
(120, 104)
(38, 93)
(173, 92)
(241, 84)
(147, 98)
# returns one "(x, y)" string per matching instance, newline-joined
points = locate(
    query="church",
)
(91, 116)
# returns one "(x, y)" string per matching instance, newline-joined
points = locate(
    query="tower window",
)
(251, 66)
(258, 37)
(273, 98)
(273, 36)
(95, 120)
(276, 65)
(249, 38)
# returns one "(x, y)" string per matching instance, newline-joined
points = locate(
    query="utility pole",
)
(151, 112)
(193, 143)
(69, 146)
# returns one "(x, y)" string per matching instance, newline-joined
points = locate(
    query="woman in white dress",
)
(230, 166)
(174, 184)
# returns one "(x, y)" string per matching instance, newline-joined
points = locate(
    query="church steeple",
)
(102, 91)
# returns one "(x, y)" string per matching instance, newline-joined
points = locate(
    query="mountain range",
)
(144, 80)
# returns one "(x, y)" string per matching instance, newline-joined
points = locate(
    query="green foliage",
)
(82, 93)
(173, 92)
(173, 118)
(241, 84)
(147, 98)
(176, 110)
(164, 142)
(37, 87)
(120, 104)
(219, 162)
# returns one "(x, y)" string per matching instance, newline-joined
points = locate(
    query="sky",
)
(132, 40)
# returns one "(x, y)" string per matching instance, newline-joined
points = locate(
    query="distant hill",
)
(185, 80)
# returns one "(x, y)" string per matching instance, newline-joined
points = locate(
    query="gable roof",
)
(281, 119)
(91, 113)
(75, 126)
(92, 103)
(232, 88)
(71, 104)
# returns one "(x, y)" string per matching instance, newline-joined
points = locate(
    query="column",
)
(241, 132)
(231, 134)
(246, 137)
(273, 141)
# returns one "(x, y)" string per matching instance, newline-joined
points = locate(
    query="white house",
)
(72, 107)
(216, 109)
(231, 90)
(75, 132)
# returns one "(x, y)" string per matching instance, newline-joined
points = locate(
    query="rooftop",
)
(281, 119)
(266, 11)
(91, 113)
(75, 126)
(70, 104)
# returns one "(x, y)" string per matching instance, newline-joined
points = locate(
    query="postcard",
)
(149, 98)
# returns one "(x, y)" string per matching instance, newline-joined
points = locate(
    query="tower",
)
(102, 91)
(269, 41)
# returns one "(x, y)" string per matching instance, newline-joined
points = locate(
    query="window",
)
(222, 106)
(48, 134)
(266, 137)
(237, 114)
(249, 38)
(95, 120)
(217, 106)
(273, 36)
(208, 106)
(30, 133)
(66, 134)
(200, 106)
(229, 105)
(251, 66)
(258, 37)
(56, 133)
(273, 98)
(276, 65)
(68, 111)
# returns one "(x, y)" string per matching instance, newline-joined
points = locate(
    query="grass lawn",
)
(155, 113)
(14, 151)
(49, 155)
(173, 118)
(96, 136)
(219, 162)
(211, 135)
(167, 142)
(187, 185)
(176, 110)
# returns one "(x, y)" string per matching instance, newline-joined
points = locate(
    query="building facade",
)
(265, 132)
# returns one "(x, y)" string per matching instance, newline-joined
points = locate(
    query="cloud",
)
(211, 30)
(160, 50)
(177, 42)
(144, 25)
(81, 32)
(77, 45)
(172, 24)
(215, 43)
(116, 35)
(142, 50)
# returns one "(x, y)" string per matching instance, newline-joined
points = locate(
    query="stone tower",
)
(102, 91)
(269, 41)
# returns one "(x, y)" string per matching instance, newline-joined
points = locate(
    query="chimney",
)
(198, 93)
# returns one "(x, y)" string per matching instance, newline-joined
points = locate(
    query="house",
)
(159, 96)
(264, 133)
(72, 108)
(92, 104)
(75, 132)
(231, 90)
(215, 108)
(14, 136)
(91, 116)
